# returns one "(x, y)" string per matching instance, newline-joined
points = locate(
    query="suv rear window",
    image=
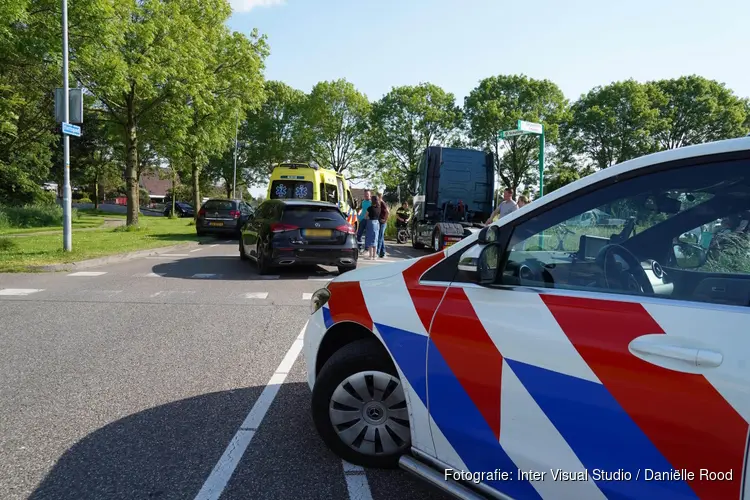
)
(296, 213)
(218, 205)
(284, 190)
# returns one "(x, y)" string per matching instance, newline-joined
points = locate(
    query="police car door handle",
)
(655, 346)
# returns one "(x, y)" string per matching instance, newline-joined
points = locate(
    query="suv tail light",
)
(346, 228)
(235, 214)
(278, 227)
(202, 212)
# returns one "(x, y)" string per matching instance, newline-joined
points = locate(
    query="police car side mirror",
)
(489, 234)
(488, 264)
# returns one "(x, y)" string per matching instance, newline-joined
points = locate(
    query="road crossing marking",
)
(306, 296)
(256, 295)
(167, 293)
(149, 275)
(225, 467)
(87, 273)
(196, 250)
(212, 246)
(20, 291)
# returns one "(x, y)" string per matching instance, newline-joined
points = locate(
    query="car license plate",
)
(217, 224)
(318, 233)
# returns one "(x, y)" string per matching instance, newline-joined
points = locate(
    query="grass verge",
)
(39, 250)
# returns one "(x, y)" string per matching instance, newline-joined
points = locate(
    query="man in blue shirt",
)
(361, 216)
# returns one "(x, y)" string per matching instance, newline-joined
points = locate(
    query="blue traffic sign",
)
(70, 129)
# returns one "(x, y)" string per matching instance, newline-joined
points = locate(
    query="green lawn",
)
(22, 253)
(86, 219)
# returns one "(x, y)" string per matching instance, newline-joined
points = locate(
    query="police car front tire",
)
(359, 406)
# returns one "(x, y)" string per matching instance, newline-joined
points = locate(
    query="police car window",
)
(650, 216)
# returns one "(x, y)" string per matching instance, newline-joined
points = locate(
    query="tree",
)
(156, 54)
(273, 133)
(233, 85)
(693, 110)
(406, 121)
(497, 104)
(612, 124)
(336, 123)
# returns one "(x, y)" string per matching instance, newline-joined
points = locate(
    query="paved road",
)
(131, 381)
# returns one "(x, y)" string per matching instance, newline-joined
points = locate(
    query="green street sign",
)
(507, 134)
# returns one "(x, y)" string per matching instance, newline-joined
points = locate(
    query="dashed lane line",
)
(256, 295)
(196, 250)
(87, 273)
(22, 292)
(356, 482)
(225, 467)
(306, 296)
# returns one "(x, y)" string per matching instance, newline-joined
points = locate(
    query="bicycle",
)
(404, 233)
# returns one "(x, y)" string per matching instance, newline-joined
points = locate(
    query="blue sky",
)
(578, 44)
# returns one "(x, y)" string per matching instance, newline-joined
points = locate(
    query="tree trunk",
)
(131, 169)
(196, 188)
(174, 193)
(96, 192)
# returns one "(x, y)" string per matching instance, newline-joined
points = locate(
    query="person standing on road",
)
(384, 213)
(504, 208)
(362, 217)
(373, 228)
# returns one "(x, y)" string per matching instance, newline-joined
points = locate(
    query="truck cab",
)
(454, 195)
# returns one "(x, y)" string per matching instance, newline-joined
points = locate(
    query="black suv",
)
(290, 232)
(222, 216)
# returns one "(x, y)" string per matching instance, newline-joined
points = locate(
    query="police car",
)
(541, 359)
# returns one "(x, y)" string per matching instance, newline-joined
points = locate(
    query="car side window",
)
(608, 239)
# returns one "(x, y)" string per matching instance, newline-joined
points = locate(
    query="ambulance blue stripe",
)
(467, 431)
(410, 353)
(600, 433)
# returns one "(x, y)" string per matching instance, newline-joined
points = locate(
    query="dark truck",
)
(454, 190)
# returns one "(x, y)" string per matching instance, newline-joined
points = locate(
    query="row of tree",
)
(168, 85)
(383, 141)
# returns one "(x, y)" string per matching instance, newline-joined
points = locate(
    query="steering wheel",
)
(631, 279)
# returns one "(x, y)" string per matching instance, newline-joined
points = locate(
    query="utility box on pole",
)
(75, 105)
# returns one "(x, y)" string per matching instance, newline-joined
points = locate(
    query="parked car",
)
(222, 216)
(181, 209)
(286, 233)
(619, 370)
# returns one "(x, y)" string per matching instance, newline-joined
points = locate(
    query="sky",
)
(578, 44)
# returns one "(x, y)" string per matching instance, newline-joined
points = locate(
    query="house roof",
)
(154, 185)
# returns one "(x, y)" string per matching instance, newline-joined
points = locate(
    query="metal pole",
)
(67, 208)
(234, 179)
(541, 164)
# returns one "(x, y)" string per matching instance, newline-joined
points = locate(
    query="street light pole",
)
(234, 178)
(67, 209)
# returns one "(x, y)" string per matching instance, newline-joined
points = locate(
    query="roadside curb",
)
(113, 259)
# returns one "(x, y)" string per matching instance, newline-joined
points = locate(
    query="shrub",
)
(84, 200)
(33, 216)
(45, 198)
(7, 244)
(143, 197)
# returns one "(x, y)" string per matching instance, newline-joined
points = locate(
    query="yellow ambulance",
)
(308, 181)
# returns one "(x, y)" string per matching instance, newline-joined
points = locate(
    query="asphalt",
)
(130, 381)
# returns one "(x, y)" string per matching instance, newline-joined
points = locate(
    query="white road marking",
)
(306, 296)
(149, 275)
(356, 482)
(205, 275)
(167, 293)
(196, 250)
(224, 468)
(20, 291)
(212, 246)
(256, 295)
(87, 273)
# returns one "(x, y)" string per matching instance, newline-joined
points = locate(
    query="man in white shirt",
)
(505, 207)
